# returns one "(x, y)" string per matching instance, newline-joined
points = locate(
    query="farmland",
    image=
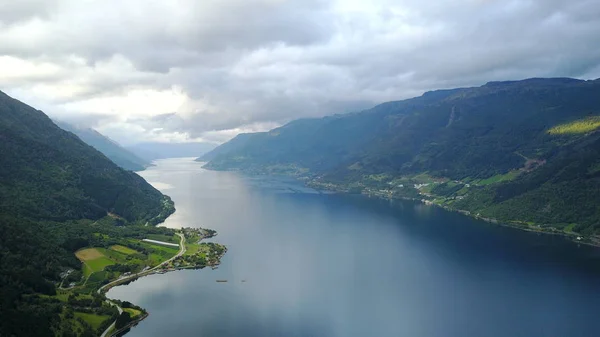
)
(123, 249)
(111, 257)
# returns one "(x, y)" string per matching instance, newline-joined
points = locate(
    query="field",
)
(499, 178)
(93, 259)
(99, 263)
(114, 255)
(165, 238)
(62, 295)
(96, 259)
(576, 127)
(88, 254)
(132, 312)
(191, 244)
(158, 252)
(191, 248)
(123, 249)
(98, 276)
(91, 319)
(160, 249)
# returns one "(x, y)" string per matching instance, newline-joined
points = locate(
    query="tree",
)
(123, 320)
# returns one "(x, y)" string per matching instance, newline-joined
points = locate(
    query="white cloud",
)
(188, 70)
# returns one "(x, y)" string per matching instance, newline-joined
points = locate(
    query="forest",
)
(57, 195)
(527, 150)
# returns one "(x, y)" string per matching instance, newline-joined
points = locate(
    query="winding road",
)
(140, 274)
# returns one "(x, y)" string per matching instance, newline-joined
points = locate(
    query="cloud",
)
(183, 70)
(12, 12)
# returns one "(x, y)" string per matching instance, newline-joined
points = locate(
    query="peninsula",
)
(122, 256)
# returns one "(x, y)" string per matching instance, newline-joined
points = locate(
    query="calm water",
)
(333, 265)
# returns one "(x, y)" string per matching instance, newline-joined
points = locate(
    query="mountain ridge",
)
(494, 138)
(110, 148)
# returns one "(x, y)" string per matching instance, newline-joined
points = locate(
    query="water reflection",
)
(333, 265)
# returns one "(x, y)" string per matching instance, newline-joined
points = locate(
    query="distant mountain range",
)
(115, 152)
(152, 151)
(526, 153)
(139, 156)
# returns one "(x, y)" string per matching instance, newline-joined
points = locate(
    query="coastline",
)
(571, 236)
(306, 181)
(154, 270)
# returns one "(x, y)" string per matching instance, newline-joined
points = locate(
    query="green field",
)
(576, 127)
(96, 259)
(160, 249)
(99, 263)
(499, 178)
(93, 320)
(113, 255)
(155, 259)
(165, 238)
(93, 260)
(132, 312)
(62, 295)
(98, 276)
(123, 249)
(191, 245)
(191, 248)
(159, 253)
(425, 178)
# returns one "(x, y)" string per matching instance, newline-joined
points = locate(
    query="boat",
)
(221, 280)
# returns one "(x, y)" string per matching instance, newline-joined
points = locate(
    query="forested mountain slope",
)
(520, 151)
(115, 152)
(53, 190)
(48, 173)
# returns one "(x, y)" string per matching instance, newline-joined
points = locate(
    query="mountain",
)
(57, 194)
(115, 152)
(231, 146)
(153, 151)
(521, 152)
(49, 173)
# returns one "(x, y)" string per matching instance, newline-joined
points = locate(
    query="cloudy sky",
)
(183, 70)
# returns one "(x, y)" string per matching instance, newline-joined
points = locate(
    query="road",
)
(113, 323)
(182, 250)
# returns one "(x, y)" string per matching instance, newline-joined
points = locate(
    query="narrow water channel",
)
(302, 263)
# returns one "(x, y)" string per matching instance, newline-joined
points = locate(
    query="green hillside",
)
(115, 152)
(58, 194)
(524, 152)
(48, 173)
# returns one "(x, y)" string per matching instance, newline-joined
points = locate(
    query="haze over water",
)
(337, 265)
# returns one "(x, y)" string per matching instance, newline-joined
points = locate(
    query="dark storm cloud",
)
(243, 64)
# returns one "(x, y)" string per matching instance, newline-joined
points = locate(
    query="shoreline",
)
(154, 270)
(573, 237)
(105, 288)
